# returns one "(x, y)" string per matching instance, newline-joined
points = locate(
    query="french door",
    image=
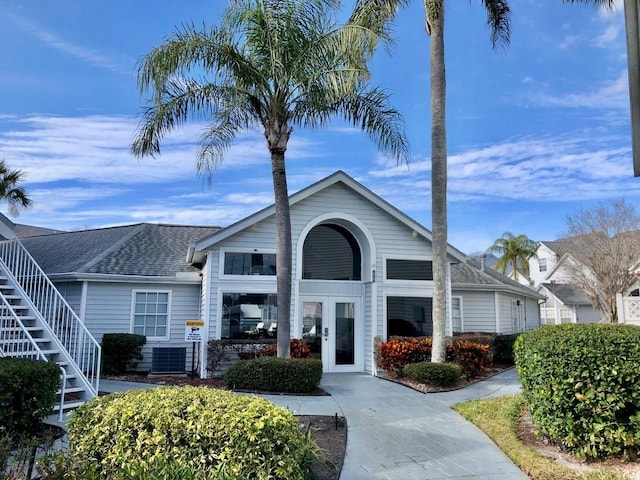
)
(332, 326)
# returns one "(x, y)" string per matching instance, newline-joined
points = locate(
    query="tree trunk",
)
(435, 14)
(283, 251)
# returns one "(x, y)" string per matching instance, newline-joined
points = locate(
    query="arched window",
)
(331, 252)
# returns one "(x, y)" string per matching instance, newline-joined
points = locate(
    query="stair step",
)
(72, 390)
(68, 405)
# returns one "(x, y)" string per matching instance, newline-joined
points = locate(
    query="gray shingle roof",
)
(142, 249)
(471, 273)
(567, 294)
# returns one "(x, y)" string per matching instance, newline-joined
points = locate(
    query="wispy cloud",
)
(613, 94)
(116, 64)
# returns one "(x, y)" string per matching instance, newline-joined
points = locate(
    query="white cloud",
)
(93, 57)
(613, 94)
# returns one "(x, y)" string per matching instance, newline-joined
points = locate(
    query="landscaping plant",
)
(582, 386)
(272, 374)
(439, 374)
(120, 351)
(197, 431)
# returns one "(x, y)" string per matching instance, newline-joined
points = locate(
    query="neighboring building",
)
(362, 269)
(550, 273)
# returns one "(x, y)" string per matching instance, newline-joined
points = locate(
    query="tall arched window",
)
(331, 252)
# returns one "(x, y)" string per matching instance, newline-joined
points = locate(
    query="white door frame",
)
(329, 339)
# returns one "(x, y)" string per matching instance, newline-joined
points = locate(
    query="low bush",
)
(503, 348)
(120, 351)
(472, 357)
(272, 374)
(582, 386)
(298, 349)
(439, 374)
(398, 352)
(27, 394)
(194, 431)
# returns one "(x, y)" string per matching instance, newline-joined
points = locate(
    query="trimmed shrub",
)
(472, 357)
(27, 394)
(272, 374)
(120, 351)
(582, 386)
(503, 348)
(214, 433)
(439, 374)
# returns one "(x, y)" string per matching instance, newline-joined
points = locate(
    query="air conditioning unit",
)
(168, 359)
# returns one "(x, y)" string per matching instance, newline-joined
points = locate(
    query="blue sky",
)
(535, 131)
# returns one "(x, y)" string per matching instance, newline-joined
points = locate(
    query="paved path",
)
(395, 433)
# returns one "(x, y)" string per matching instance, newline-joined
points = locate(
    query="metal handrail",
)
(16, 336)
(58, 317)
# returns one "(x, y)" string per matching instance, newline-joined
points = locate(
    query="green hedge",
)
(503, 348)
(439, 374)
(582, 386)
(120, 351)
(272, 374)
(27, 394)
(216, 433)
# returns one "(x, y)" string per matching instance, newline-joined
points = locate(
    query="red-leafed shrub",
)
(393, 355)
(398, 352)
(298, 348)
(472, 357)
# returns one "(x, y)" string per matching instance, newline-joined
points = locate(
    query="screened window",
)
(409, 269)
(238, 263)
(246, 315)
(151, 314)
(331, 252)
(409, 316)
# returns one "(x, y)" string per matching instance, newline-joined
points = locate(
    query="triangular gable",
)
(6, 228)
(196, 250)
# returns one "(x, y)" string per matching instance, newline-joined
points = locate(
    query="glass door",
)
(333, 329)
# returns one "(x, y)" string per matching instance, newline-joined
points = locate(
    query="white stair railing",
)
(17, 342)
(81, 347)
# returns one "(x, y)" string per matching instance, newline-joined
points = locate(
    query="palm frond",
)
(499, 21)
(608, 4)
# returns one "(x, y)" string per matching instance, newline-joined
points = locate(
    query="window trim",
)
(224, 276)
(461, 301)
(227, 289)
(394, 281)
(543, 265)
(385, 305)
(133, 311)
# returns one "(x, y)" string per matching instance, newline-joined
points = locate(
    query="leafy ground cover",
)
(329, 432)
(505, 421)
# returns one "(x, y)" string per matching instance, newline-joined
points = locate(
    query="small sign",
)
(193, 330)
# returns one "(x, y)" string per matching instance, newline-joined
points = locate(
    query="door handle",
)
(326, 331)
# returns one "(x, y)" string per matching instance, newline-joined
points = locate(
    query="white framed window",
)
(402, 270)
(542, 264)
(456, 314)
(565, 315)
(245, 263)
(247, 314)
(150, 313)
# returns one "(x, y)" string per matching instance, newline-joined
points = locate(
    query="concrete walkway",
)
(396, 433)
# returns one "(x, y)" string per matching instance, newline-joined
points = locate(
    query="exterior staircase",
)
(36, 322)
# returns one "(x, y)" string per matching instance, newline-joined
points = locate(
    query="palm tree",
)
(271, 65)
(515, 251)
(15, 195)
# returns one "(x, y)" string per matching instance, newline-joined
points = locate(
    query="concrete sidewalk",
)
(396, 433)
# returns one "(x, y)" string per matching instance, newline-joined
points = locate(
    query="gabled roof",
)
(196, 250)
(567, 294)
(472, 275)
(559, 247)
(142, 249)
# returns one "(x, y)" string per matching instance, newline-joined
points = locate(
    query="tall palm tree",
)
(271, 65)
(15, 195)
(514, 251)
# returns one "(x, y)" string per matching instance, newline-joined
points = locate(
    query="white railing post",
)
(54, 311)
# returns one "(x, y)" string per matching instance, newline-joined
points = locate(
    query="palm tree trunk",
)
(435, 14)
(283, 251)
